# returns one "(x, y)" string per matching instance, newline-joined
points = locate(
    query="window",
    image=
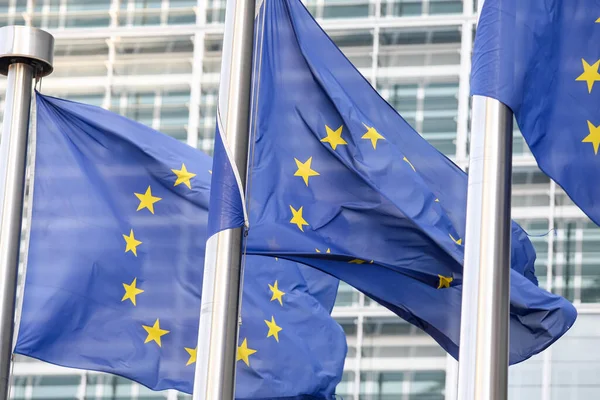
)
(55, 387)
(401, 8)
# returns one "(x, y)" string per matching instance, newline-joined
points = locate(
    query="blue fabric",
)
(531, 56)
(341, 182)
(227, 210)
(89, 165)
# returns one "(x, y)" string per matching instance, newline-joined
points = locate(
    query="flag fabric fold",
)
(116, 255)
(338, 180)
(541, 59)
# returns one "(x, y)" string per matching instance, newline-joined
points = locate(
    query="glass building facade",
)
(158, 62)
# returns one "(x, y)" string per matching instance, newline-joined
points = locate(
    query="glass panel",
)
(590, 268)
(427, 385)
(356, 45)
(346, 387)
(112, 387)
(445, 6)
(87, 5)
(525, 379)
(404, 47)
(567, 264)
(401, 8)
(55, 387)
(347, 9)
(215, 11)
(19, 384)
(530, 187)
(440, 109)
(576, 361)
(213, 46)
(347, 296)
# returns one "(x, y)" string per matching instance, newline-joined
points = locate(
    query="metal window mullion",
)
(319, 12)
(577, 261)
(28, 388)
(135, 391)
(375, 52)
(62, 13)
(45, 11)
(156, 110)
(359, 345)
(420, 112)
(81, 389)
(551, 236)
(12, 10)
(164, 12)
(110, 66)
(462, 123)
(425, 8)
(130, 12)
(113, 13)
(195, 88)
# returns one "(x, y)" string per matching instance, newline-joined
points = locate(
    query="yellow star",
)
(334, 138)
(357, 261)
(372, 135)
(444, 281)
(273, 328)
(328, 250)
(593, 137)
(590, 74)
(147, 200)
(131, 243)
(304, 170)
(243, 352)
(409, 163)
(598, 21)
(297, 218)
(192, 353)
(457, 241)
(183, 176)
(155, 333)
(437, 200)
(277, 294)
(131, 291)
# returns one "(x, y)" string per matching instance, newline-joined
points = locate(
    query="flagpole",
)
(221, 290)
(484, 344)
(25, 54)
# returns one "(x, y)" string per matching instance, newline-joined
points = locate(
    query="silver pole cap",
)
(23, 44)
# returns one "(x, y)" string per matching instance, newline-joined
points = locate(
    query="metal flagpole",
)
(484, 341)
(218, 333)
(25, 54)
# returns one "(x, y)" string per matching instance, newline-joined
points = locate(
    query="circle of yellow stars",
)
(334, 138)
(148, 201)
(590, 76)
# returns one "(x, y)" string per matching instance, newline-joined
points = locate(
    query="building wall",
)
(158, 61)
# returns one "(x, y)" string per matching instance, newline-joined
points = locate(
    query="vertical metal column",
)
(483, 366)
(25, 53)
(221, 294)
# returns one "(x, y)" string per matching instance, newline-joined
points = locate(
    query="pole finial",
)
(23, 44)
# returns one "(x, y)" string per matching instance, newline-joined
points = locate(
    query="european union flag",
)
(341, 182)
(115, 261)
(541, 59)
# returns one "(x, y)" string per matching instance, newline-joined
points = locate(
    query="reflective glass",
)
(55, 387)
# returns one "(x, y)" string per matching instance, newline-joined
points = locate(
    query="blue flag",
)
(541, 59)
(114, 276)
(341, 182)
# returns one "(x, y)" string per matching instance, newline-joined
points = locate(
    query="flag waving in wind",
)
(541, 59)
(338, 180)
(114, 275)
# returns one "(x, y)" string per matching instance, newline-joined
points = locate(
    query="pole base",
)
(23, 44)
